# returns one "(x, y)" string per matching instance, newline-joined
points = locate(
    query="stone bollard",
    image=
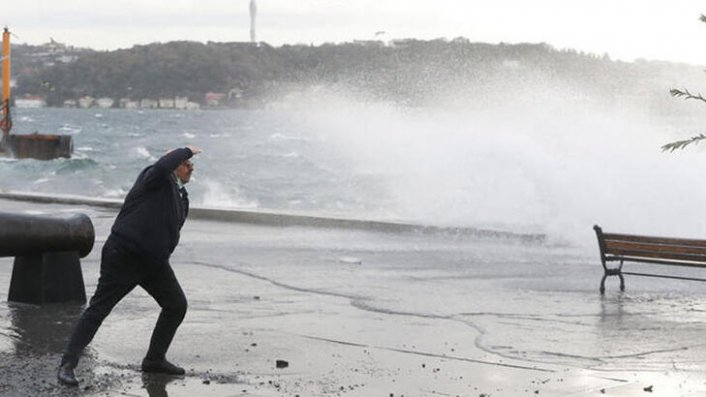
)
(47, 250)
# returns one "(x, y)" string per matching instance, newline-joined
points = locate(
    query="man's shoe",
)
(66, 375)
(161, 367)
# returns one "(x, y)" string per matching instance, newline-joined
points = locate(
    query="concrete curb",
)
(282, 219)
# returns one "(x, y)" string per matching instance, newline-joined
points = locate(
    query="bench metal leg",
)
(612, 272)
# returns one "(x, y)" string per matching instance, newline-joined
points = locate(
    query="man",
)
(144, 235)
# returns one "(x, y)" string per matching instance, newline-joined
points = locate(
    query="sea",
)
(552, 168)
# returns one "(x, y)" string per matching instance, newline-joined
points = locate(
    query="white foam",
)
(74, 130)
(282, 137)
(351, 260)
(217, 196)
(142, 152)
(115, 193)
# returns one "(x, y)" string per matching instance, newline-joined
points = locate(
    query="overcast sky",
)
(625, 29)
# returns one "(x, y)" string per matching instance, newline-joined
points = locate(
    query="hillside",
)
(412, 72)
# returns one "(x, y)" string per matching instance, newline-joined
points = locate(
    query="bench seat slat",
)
(666, 276)
(611, 246)
(656, 240)
(654, 261)
(658, 255)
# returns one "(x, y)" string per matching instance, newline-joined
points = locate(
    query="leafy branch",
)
(686, 94)
(676, 145)
(672, 146)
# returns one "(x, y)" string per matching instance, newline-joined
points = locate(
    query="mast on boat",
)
(6, 121)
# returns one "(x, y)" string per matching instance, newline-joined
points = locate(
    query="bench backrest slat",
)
(654, 240)
(660, 255)
(613, 246)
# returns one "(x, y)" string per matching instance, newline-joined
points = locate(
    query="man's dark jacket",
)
(154, 211)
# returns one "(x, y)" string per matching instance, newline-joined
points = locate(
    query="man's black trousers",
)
(121, 271)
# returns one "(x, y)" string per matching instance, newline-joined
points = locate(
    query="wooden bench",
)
(655, 250)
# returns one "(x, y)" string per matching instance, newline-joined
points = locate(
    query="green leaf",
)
(676, 145)
(686, 94)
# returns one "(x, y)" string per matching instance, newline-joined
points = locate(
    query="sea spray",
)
(556, 166)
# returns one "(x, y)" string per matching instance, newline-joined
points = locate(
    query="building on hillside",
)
(86, 102)
(66, 59)
(214, 98)
(54, 47)
(180, 102)
(70, 103)
(32, 57)
(128, 103)
(30, 101)
(166, 103)
(146, 103)
(105, 102)
(192, 106)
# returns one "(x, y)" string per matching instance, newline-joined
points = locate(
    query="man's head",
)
(184, 170)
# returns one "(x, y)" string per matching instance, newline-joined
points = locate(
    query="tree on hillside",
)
(685, 94)
(409, 72)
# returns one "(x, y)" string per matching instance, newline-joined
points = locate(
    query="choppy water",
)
(252, 158)
(555, 168)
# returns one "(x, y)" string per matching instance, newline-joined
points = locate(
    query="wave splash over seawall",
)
(547, 163)
(552, 166)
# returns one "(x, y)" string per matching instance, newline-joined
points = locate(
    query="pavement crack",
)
(426, 354)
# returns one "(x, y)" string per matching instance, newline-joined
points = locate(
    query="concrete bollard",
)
(47, 250)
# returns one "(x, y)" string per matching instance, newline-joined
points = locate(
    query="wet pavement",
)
(369, 313)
